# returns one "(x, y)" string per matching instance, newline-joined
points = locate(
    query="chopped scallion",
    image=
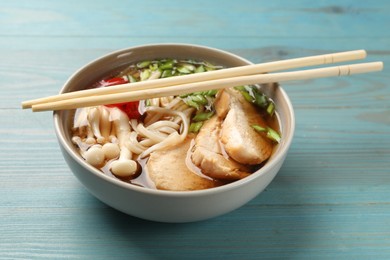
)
(153, 66)
(203, 116)
(191, 103)
(199, 99)
(145, 74)
(166, 73)
(200, 69)
(270, 133)
(273, 135)
(131, 79)
(247, 96)
(143, 64)
(195, 127)
(260, 100)
(167, 65)
(271, 108)
(259, 128)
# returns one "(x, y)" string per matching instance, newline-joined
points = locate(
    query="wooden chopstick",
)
(212, 75)
(208, 85)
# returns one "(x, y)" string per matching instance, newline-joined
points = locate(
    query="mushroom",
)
(94, 121)
(83, 146)
(112, 137)
(124, 166)
(105, 124)
(95, 155)
(90, 136)
(80, 124)
(111, 150)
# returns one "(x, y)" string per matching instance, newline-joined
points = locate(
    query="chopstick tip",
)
(364, 53)
(26, 105)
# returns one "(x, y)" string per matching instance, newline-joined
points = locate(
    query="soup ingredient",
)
(228, 138)
(253, 95)
(94, 120)
(130, 108)
(124, 166)
(168, 170)
(203, 116)
(90, 137)
(240, 140)
(111, 150)
(200, 99)
(105, 124)
(197, 120)
(271, 134)
(203, 102)
(113, 81)
(195, 127)
(208, 154)
(95, 155)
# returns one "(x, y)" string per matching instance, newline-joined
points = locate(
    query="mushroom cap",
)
(124, 167)
(95, 156)
(111, 150)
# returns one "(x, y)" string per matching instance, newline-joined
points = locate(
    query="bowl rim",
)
(193, 193)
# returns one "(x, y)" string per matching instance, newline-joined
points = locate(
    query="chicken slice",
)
(207, 154)
(168, 171)
(240, 140)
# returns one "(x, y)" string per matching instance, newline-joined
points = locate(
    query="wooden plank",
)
(315, 231)
(195, 18)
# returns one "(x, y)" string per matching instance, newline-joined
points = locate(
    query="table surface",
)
(330, 200)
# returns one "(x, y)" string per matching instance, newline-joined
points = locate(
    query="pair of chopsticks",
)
(218, 79)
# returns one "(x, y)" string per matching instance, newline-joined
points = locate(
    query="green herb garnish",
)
(253, 95)
(195, 126)
(203, 116)
(270, 133)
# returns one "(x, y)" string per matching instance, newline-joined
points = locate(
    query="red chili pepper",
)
(112, 82)
(130, 108)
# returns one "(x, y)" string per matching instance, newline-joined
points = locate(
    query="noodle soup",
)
(189, 142)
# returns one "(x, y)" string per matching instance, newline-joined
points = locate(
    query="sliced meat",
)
(168, 170)
(222, 104)
(207, 154)
(240, 140)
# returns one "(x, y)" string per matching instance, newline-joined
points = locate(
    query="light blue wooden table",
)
(331, 199)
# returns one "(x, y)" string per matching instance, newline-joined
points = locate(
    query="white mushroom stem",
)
(112, 137)
(90, 136)
(94, 121)
(105, 124)
(124, 166)
(80, 121)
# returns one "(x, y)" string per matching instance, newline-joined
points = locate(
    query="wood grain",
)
(331, 199)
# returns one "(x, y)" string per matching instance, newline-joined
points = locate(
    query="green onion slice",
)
(195, 127)
(270, 133)
(203, 116)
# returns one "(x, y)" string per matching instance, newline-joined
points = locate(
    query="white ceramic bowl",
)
(159, 205)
